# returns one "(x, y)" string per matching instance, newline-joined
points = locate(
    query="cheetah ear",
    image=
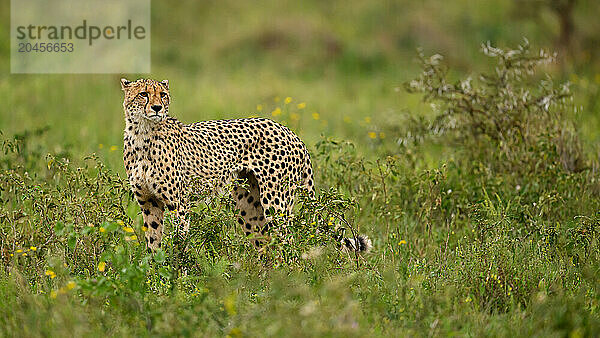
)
(125, 83)
(165, 83)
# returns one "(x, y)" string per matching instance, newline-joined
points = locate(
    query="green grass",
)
(475, 233)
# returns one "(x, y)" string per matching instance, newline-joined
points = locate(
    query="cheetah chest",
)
(150, 169)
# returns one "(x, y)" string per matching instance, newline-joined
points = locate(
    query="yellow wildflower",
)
(294, 117)
(127, 229)
(301, 105)
(19, 251)
(113, 148)
(101, 266)
(53, 294)
(259, 107)
(276, 112)
(144, 228)
(102, 229)
(372, 134)
(316, 116)
(120, 222)
(71, 285)
(382, 135)
(100, 146)
(131, 238)
(288, 100)
(367, 119)
(402, 242)
(51, 274)
(32, 248)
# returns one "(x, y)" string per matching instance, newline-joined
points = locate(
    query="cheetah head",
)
(146, 99)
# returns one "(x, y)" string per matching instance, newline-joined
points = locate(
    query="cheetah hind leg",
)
(251, 213)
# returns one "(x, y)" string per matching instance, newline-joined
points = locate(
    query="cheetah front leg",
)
(180, 224)
(152, 211)
(180, 244)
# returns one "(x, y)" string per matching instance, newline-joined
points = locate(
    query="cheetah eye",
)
(144, 94)
(163, 94)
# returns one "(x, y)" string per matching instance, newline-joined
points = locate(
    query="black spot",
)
(265, 229)
(243, 213)
(152, 240)
(146, 212)
(154, 225)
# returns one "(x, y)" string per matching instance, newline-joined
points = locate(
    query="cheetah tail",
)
(361, 243)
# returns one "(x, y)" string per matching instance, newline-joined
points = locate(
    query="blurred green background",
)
(346, 60)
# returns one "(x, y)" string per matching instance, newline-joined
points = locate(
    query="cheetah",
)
(162, 156)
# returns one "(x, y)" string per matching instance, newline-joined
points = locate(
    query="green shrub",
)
(508, 117)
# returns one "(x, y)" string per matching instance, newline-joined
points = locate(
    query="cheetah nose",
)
(156, 107)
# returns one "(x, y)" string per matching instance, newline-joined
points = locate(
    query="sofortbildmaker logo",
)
(80, 36)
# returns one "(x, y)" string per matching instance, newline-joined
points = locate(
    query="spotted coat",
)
(162, 156)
